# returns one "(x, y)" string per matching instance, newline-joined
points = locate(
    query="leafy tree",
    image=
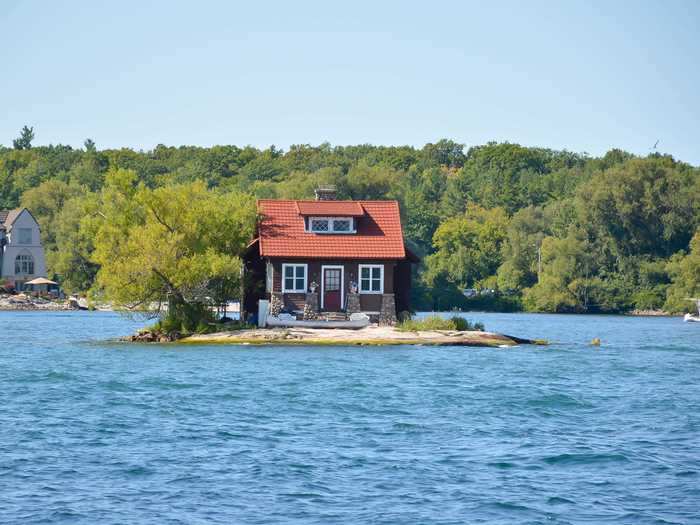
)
(172, 245)
(643, 206)
(521, 262)
(75, 228)
(564, 284)
(24, 141)
(45, 202)
(685, 275)
(468, 247)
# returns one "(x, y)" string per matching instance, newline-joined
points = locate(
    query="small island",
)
(369, 336)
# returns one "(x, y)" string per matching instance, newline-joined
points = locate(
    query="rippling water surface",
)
(98, 432)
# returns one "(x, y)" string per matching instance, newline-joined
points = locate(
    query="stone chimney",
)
(326, 193)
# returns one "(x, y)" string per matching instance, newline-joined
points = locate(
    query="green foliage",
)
(613, 232)
(175, 245)
(468, 247)
(685, 274)
(435, 322)
(24, 141)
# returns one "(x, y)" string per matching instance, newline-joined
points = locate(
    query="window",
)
(25, 236)
(342, 225)
(371, 278)
(320, 225)
(24, 264)
(294, 278)
(331, 225)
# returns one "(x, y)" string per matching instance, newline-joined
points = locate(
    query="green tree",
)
(685, 275)
(75, 228)
(468, 247)
(24, 141)
(172, 245)
(564, 284)
(45, 202)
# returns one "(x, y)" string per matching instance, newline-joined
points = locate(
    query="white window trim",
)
(306, 278)
(330, 220)
(342, 283)
(381, 278)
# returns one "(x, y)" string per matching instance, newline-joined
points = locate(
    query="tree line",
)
(545, 230)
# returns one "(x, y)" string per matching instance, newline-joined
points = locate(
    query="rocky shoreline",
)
(22, 302)
(650, 313)
(369, 336)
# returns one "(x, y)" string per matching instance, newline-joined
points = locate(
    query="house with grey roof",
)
(21, 254)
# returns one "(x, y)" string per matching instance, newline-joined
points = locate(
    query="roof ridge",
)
(388, 201)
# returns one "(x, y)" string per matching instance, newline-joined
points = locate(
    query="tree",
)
(173, 246)
(564, 284)
(685, 276)
(45, 202)
(468, 247)
(90, 145)
(75, 229)
(642, 206)
(521, 251)
(24, 141)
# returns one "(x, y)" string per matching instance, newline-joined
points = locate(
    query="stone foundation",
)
(352, 304)
(276, 304)
(387, 313)
(311, 306)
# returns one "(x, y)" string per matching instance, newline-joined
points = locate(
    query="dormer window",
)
(320, 225)
(331, 225)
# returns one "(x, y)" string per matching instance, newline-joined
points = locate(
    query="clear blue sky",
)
(585, 76)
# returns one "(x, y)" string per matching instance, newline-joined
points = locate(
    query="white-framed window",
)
(294, 278)
(371, 278)
(331, 225)
(25, 236)
(342, 225)
(24, 264)
(319, 225)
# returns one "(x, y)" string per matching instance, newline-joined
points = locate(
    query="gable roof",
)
(7, 217)
(379, 235)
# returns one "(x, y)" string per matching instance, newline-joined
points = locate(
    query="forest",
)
(541, 230)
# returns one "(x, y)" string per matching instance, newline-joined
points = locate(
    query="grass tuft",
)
(435, 322)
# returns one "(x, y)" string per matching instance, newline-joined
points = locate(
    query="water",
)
(97, 432)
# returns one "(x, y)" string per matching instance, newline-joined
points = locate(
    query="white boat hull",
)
(691, 318)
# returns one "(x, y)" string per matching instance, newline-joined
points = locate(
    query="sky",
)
(582, 76)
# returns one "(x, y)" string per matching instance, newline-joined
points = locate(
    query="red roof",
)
(330, 208)
(379, 234)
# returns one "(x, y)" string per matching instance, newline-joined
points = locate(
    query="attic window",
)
(331, 225)
(320, 225)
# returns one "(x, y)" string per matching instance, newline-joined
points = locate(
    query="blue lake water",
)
(99, 432)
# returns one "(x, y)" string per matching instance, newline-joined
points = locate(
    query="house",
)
(21, 253)
(326, 255)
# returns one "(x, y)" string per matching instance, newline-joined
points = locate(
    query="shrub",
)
(435, 322)
(463, 325)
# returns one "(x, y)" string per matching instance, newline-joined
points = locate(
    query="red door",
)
(331, 289)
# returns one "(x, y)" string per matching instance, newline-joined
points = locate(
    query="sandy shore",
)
(372, 335)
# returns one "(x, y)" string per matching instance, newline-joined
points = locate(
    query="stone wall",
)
(352, 304)
(387, 314)
(311, 306)
(276, 304)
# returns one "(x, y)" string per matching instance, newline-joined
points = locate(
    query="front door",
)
(331, 289)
